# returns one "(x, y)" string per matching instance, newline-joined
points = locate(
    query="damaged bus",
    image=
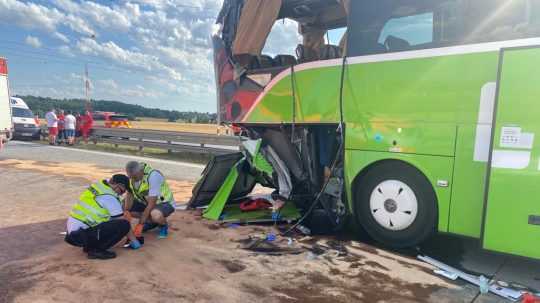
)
(421, 119)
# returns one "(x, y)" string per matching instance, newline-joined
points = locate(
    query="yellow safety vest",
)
(166, 195)
(88, 210)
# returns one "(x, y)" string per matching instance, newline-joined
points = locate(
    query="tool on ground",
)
(505, 292)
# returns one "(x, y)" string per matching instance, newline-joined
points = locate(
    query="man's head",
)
(119, 183)
(135, 170)
(61, 112)
(52, 110)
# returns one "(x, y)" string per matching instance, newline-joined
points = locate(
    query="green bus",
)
(422, 119)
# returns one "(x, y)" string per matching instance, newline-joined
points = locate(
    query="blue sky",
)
(155, 53)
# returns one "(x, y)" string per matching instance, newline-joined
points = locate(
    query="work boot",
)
(101, 254)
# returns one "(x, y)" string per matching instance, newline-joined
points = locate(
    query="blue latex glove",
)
(163, 232)
(135, 244)
(275, 216)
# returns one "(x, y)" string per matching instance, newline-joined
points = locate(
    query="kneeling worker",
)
(96, 222)
(150, 198)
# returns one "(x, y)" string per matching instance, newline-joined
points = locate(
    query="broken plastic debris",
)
(270, 237)
(311, 256)
(484, 284)
(450, 275)
(306, 231)
(508, 293)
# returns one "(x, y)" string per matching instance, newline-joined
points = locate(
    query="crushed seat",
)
(262, 61)
(305, 54)
(329, 51)
(284, 60)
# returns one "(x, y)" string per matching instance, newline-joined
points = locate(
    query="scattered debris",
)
(232, 266)
(482, 282)
(303, 229)
(276, 247)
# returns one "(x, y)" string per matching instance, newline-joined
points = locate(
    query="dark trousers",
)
(100, 237)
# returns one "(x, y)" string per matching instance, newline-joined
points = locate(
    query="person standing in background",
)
(86, 127)
(69, 128)
(78, 126)
(61, 135)
(52, 125)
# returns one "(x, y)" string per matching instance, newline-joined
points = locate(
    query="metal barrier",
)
(167, 140)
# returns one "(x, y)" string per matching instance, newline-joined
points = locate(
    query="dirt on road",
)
(201, 261)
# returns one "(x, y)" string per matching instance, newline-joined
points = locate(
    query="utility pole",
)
(87, 88)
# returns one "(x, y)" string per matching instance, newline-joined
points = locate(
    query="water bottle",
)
(484, 285)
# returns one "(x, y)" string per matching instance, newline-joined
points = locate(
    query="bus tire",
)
(396, 204)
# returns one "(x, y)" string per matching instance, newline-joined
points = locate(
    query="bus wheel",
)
(396, 204)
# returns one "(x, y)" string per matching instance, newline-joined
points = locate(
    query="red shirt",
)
(61, 122)
(87, 121)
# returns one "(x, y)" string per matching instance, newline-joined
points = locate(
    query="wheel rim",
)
(393, 205)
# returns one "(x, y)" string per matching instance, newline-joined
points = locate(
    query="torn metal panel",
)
(214, 176)
(284, 178)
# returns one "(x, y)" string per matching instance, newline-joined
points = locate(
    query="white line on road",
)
(185, 164)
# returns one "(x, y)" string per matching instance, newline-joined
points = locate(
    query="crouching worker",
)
(150, 198)
(96, 222)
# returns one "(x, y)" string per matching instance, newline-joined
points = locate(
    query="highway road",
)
(459, 252)
(46, 153)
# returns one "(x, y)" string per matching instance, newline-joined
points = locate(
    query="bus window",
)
(283, 38)
(403, 33)
(388, 26)
(335, 36)
(499, 20)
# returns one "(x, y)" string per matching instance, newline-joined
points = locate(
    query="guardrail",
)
(167, 140)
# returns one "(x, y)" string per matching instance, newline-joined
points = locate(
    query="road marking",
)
(179, 163)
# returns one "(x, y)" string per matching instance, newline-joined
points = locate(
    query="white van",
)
(6, 126)
(24, 121)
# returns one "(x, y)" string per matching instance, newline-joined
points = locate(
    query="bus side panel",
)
(433, 167)
(404, 137)
(443, 89)
(512, 216)
(468, 186)
(316, 96)
(436, 94)
(276, 105)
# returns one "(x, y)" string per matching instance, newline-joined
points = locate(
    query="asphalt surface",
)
(462, 253)
(39, 152)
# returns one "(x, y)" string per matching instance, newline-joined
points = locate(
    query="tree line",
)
(41, 105)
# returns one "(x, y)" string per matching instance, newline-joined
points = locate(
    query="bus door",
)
(512, 197)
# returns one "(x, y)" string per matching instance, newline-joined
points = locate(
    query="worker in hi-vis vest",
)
(96, 223)
(150, 199)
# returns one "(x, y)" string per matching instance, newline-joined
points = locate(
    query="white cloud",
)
(33, 41)
(283, 38)
(38, 17)
(61, 37)
(125, 57)
(168, 40)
